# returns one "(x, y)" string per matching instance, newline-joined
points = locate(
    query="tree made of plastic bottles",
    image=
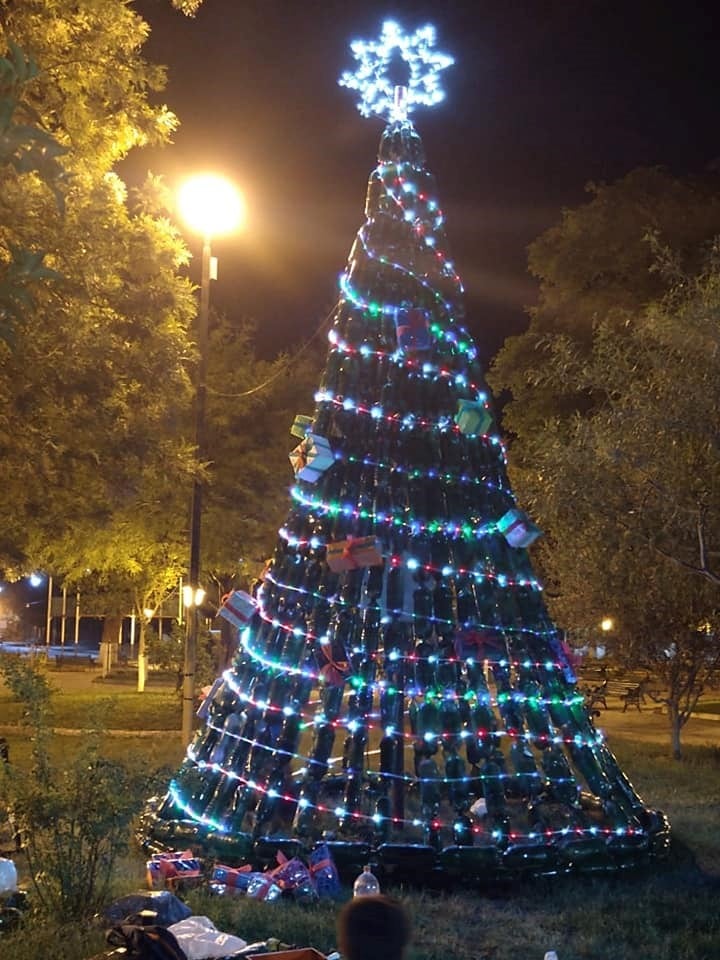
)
(400, 690)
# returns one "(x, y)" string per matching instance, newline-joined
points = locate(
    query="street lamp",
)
(210, 206)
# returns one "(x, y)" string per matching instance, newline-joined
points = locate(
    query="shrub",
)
(73, 817)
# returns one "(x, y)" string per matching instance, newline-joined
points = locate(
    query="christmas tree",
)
(400, 691)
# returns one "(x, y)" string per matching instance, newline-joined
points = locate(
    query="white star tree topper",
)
(378, 94)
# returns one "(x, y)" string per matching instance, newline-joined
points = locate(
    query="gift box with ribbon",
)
(479, 645)
(311, 458)
(353, 553)
(232, 878)
(208, 697)
(167, 869)
(518, 529)
(301, 426)
(412, 328)
(238, 608)
(324, 872)
(473, 417)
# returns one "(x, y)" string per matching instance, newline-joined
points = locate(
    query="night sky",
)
(545, 95)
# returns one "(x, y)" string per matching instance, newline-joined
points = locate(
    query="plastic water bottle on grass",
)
(366, 884)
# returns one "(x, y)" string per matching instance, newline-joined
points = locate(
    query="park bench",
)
(61, 660)
(632, 694)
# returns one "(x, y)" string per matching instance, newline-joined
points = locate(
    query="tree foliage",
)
(251, 406)
(94, 382)
(599, 264)
(630, 489)
(96, 456)
(25, 148)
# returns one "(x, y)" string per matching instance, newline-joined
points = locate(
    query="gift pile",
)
(292, 877)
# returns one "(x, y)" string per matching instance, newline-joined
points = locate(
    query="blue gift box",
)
(518, 529)
(473, 417)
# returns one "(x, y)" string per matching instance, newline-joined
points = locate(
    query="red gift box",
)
(353, 553)
(166, 869)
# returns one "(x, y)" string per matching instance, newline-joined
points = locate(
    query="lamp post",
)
(210, 206)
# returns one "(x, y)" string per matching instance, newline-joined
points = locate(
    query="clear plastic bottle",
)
(366, 884)
(551, 955)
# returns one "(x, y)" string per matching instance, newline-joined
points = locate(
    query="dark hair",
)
(372, 927)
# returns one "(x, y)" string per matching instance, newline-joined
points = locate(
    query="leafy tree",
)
(630, 491)
(95, 391)
(598, 264)
(251, 405)
(93, 387)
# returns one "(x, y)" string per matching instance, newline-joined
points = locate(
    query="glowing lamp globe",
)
(210, 205)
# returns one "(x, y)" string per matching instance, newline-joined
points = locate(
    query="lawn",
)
(668, 912)
(158, 708)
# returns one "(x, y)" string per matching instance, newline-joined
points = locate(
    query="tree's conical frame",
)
(417, 708)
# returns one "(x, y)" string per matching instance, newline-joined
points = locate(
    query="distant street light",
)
(210, 206)
(606, 624)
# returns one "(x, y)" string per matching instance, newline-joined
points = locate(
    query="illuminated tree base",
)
(531, 817)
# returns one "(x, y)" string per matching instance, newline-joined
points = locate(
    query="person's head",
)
(373, 928)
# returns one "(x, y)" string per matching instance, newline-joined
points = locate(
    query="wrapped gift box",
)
(301, 426)
(311, 458)
(236, 878)
(238, 608)
(208, 697)
(518, 529)
(412, 328)
(166, 869)
(353, 553)
(473, 417)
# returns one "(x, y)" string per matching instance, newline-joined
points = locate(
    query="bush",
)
(73, 817)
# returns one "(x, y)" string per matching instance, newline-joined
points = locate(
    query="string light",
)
(520, 629)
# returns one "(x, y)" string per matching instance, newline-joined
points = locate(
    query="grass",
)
(158, 708)
(668, 912)
(709, 706)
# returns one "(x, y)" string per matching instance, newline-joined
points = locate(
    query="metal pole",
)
(48, 619)
(63, 622)
(77, 618)
(191, 631)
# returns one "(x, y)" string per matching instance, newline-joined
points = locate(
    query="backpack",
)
(145, 942)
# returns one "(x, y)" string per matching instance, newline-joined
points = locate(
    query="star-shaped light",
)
(378, 94)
